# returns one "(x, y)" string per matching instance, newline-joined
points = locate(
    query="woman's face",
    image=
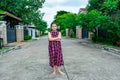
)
(54, 27)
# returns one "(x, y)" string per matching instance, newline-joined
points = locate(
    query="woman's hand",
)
(54, 39)
(58, 39)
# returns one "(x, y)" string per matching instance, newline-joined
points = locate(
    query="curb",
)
(13, 48)
(113, 50)
(16, 47)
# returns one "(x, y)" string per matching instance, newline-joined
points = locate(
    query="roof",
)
(10, 15)
(82, 9)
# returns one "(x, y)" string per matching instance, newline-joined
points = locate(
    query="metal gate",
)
(25, 32)
(102, 33)
(84, 33)
(11, 35)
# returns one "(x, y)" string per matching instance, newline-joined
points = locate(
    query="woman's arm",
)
(59, 37)
(50, 38)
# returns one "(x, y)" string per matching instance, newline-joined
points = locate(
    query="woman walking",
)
(55, 50)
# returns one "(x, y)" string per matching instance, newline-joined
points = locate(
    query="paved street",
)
(81, 62)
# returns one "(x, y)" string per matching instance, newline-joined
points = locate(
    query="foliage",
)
(110, 6)
(27, 37)
(1, 11)
(63, 32)
(89, 20)
(37, 35)
(105, 40)
(66, 20)
(73, 35)
(60, 13)
(25, 9)
(94, 19)
(118, 34)
(105, 6)
(41, 25)
(1, 42)
(0, 18)
(94, 4)
(48, 29)
(105, 21)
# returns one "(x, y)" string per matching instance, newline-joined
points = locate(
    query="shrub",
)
(92, 37)
(37, 36)
(106, 40)
(73, 35)
(45, 33)
(0, 18)
(63, 32)
(27, 37)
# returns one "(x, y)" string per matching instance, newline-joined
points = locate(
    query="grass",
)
(4, 49)
(107, 45)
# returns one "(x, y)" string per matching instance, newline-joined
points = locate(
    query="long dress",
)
(55, 51)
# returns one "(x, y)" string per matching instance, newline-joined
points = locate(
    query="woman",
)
(55, 50)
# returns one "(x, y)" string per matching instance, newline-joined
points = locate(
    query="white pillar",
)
(3, 32)
(33, 33)
(29, 31)
(78, 32)
(67, 33)
(90, 34)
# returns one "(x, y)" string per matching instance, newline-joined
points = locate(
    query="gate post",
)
(78, 32)
(3, 31)
(90, 35)
(66, 33)
(19, 33)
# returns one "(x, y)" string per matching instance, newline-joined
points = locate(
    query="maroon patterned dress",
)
(55, 51)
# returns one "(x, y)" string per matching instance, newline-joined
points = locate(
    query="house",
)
(10, 28)
(82, 33)
(82, 10)
(32, 31)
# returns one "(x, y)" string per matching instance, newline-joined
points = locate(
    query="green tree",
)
(110, 6)
(41, 25)
(22, 8)
(94, 4)
(60, 13)
(89, 21)
(94, 20)
(105, 6)
(108, 20)
(67, 20)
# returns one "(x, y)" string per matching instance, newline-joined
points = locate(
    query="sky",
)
(51, 7)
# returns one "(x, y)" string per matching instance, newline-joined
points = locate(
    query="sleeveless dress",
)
(55, 51)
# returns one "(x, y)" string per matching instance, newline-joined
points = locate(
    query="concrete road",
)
(81, 62)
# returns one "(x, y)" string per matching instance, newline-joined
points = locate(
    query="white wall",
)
(3, 32)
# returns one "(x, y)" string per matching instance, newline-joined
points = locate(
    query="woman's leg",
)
(59, 71)
(54, 69)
